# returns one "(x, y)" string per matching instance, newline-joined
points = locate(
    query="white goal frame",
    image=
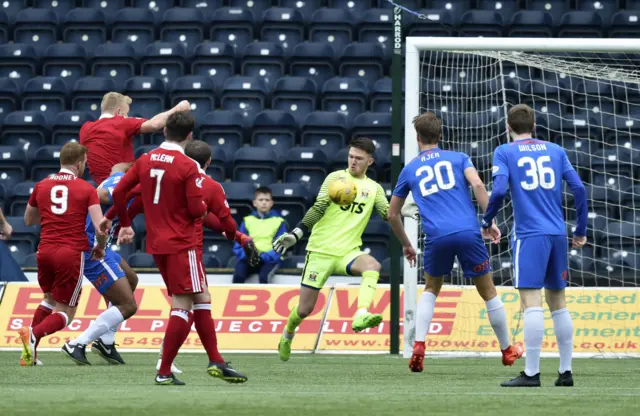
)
(413, 47)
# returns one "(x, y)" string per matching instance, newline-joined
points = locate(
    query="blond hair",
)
(112, 100)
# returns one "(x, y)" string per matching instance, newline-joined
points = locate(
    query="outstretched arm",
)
(159, 121)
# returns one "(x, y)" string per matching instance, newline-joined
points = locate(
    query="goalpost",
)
(587, 99)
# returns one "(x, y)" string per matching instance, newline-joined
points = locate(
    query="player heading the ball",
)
(533, 170)
(335, 240)
(439, 182)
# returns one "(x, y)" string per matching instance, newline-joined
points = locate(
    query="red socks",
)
(207, 331)
(177, 332)
(51, 324)
(44, 310)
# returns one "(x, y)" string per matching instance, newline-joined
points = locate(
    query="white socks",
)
(563, 327)
(533, 335)
(424, 315)
(109, 338)
(498, 320)
(107, 319)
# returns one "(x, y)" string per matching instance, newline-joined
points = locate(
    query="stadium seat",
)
(140, 228)
(332, 26)
(198, 90)
(67, 126)
(604, 8)
(291, 199)
(409, 4)
(506, 8)
(438, 22)
(9, 96)
(164, 60)
(624, 24)
(375, 29)
(11, 8)
(355, 7)
(31, 261)
(140, 150)
(240, 198)
(158, 7)
(4, 28)
(233, 26)
(325, 130)
(114, 61)
(481, 23)
(13, 166)
(66, 61)
(531, 23)
(344, 95)
(377, 127)
(455, 7)
(219, 247)
(141, 260)
(37, 28)
(185, 26)
(255, 165)
(377, 230)
(45, 162)
(339, 161)
(19, 251)
(363, 61)
(244, 94)
(306, 165)
(263, 60)
(60, 8)
(134, 26)
(256, 8)
(88, 93)
(621, 235)
(24, 129)
(379, 250)
(580, 24)
(22, 232)
(555, 8)
(206, 6)
(275, 130)
(223, 129)
(313, 60)
(110, 8)
(305, 7)
(20, 198)
(284, 27)
(47, 95)
(210, 261)
(148, 95)
(219, 164)
(215, 60)
(296, 95)
(381, 95)
(86, 27)
(293, 262)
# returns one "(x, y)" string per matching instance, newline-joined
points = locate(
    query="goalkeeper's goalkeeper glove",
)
(288, 240)
(410, 210)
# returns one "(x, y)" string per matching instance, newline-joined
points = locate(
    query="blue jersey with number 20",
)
(440, 189)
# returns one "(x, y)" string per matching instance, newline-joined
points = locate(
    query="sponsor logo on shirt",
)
(495, 169)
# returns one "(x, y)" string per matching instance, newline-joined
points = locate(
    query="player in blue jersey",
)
(105, 270)
(534, 170)
(439, 182)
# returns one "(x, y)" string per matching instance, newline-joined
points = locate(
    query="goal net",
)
(587, 99)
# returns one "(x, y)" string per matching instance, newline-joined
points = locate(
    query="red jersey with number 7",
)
(171, 192)
(63, 202)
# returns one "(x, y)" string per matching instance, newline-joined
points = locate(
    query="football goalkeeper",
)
(334, 243)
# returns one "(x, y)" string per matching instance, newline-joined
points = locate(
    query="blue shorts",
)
(103, 273)
(540, 261)
(468, 246)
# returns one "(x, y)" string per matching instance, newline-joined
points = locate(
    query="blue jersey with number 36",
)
(535, 170)
(440, 189)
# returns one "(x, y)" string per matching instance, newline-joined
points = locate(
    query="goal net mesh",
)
(590, 105)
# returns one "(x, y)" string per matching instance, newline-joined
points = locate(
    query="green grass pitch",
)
(327, 385)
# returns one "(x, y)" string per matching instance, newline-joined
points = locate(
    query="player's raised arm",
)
(580, 197)
(159, 121)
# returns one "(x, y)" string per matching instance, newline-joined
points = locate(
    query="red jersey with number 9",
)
(63, 202)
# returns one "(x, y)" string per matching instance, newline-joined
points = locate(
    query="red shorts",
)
(182, 272)
(60, 271)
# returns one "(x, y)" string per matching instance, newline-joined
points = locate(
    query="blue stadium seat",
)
(531, 23)
(46, 95)
(481, 23)
(555, 8)
(363, 61)
(325, 130)
(438, 22)
(594, 96)
(4, 28)
(624, 25)
(86, 27)
(148, 95)
(9, 96)
(19, 251)
(134, 26)
(88, 93)
(125, 250)
(605, 192)
(256, 8)
(31, 261)
(338, 161)
(45, 162)
(297, 95)
(379, 250)
(381, 95)
(11, 8)
(164, 60)
(67, 126)
(114, 61)
(581, 261)
(307, 166)
(110, 8)
(291, 199)
(244, 94)
(206, 6)
(141, 150)
(305, 7)
(355, 7)
(37, 28)
(215, 60)
(313, 60)
(377, 230)
(455, 7)
(13, 167)
(293, 262)
(198, 90)
(24, 129)
(22, 232)
(139, 226)
(141, 260)
(375, 29)
(60, 8)
(185, 26)
(223, 129)
(219, 163)
(210, 261)
(240, 198)
(621, 235)
(333, 26)
(604, 8)
(506, 8)
(377, 127)
(219, 247)
(255, 165)
(275, 130)
(263, 60)
(232, 25)
(580, 24)
(344, 95)
(284, 27)
(158, 7)
(409, 4)
(66, 61)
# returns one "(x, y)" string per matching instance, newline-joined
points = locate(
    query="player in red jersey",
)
(60, 204)
(110, 138)
(171, 193)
